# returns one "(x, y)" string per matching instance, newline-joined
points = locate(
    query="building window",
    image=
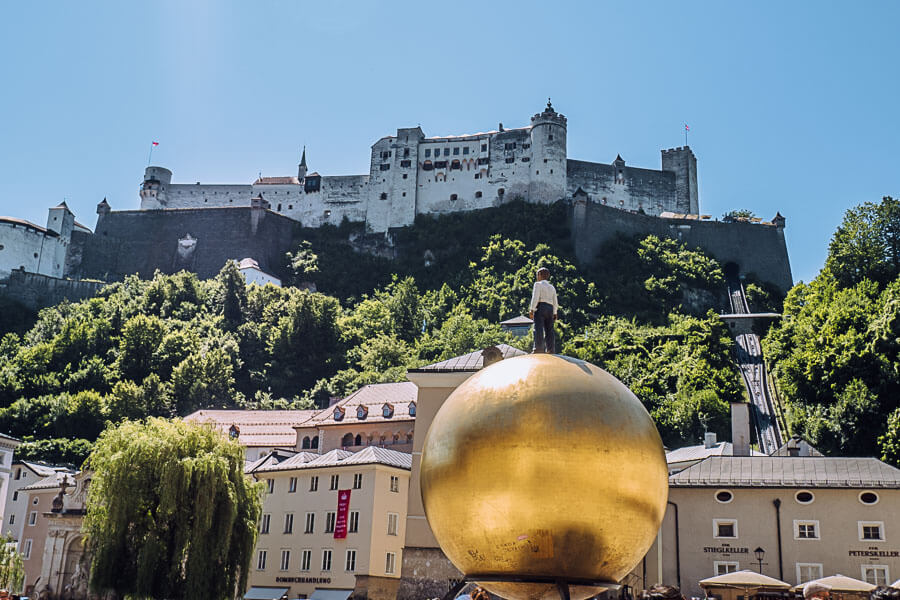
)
(440, 164)
(392, 524)
(289, 523)
(804, 497)
(427, 152)
(405, 163)
(350, 562)
(385, 166)
(500, 192)
(526, 159)
(305, 559)
(270, 486)
(526, 146)
(330, 518)
(412, 409)
(725, 528)
(871, 531)
(357, 481)
(264, 523)
(292, 485)
(723, 567)
(335, 480)
(453, 196)
(387, 411)
(32, 518)
(35, 501)
(483, 161)
(261, 560)
(279, 207)
(314, 483)
(18, 473)
(808, 572)
(395, 483)
(12, 519)
(509, 146)
(285, 560)
(353, 525)
(864, 497)
(446, 151)
(405, 152)
(328, 214)
(389, 563)
(427, 166)
(456, 151)
(465, 149)
(510, 160)
(310, 522)
(26, 549)
(290, 207)
(15, 495)
(806, 530)
(724, 496)
(875, 574)
(326, 559)
(484, 147)
(455, 165)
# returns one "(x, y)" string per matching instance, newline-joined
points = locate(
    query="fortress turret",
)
(301, 169)
(683, 163)
(61, 220)
(548, 150)
(153, 188)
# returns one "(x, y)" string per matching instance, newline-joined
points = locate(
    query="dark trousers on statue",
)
(543, 329)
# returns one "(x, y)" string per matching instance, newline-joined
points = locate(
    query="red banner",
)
(340, 523)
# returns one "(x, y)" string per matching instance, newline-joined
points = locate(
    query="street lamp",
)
(760, 555)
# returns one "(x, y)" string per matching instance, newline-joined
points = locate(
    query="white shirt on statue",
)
(544, 292)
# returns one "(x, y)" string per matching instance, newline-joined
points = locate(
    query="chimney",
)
(709, 439)
(793, 446)
(740, 429)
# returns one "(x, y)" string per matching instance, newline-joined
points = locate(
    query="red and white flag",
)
(155, 143)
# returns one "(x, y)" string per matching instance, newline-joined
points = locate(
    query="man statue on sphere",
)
(543, 309)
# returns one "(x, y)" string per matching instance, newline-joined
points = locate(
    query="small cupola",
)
(362, 412)
(387, 411)
(412, 409)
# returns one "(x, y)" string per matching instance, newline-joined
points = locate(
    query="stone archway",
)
(75, 570)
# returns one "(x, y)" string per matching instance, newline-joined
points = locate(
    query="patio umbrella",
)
(896, 584)
(745, 579)
(840, 583)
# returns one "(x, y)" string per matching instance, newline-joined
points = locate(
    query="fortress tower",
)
(683, 163)
(153, 189)
(548, 151)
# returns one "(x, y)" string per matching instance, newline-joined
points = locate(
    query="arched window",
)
(396, 438)
(409, 437)
(358, 440)
(382, 440)
(347, 440)
(315, 442)
(306, 443)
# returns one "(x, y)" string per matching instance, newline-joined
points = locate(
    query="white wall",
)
(254, 275)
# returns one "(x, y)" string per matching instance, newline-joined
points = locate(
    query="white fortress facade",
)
(411, 174)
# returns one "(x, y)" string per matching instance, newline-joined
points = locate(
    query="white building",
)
(36, 249)
(16, 504)
(411, 174)
(253, 274)
(8, 445)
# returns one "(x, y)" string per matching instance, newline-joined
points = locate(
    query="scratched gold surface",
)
(543, 465)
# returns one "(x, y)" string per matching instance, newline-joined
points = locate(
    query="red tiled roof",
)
(373, 397)
(277, 181)
(257, 428)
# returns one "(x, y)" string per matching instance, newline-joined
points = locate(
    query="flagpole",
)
(685, 134)
(150, 156)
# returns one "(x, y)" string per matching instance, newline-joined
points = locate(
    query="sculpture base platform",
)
(565, 587)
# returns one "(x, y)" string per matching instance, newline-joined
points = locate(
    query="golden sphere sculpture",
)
(543, 467)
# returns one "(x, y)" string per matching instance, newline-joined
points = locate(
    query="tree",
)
(742, 214)
(147, 541)
(12, 569)
(890, 441)
(866, 245)
(303, 262)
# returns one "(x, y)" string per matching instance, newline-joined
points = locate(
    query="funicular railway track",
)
(749, 358)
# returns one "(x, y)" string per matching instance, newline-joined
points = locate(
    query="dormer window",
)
(387, 410)
(338, 413)
(412, 409)
(361, 412)
(234, 432)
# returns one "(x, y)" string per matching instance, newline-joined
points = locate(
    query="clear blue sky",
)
(793, 106)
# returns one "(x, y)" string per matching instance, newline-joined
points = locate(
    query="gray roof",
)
(517, 321)
(789, 472)
(42, 469)
(338, 458)
(700, 452)
(472, 361)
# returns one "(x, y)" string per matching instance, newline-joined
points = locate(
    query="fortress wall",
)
(186, 195)
(141, 241)
(642, 189)
(40, 291)
(755, 248)
(341, 196)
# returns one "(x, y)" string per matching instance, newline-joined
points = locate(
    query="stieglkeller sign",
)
(343, 507)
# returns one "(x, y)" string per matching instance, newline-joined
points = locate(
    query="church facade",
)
(411, 174)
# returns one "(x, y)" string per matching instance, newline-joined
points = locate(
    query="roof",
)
(42, 469)
(277, 181)
(47, 483)
(520, 320)
(745, 579)
(256, 428)
(801, 445)
(472, 361)
(370, 455)
(788, 471)
(700, 452)
(373, 396)
(29, 224)
(248, 263)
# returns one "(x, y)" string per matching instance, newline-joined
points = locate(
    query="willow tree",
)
(170, 513)
(12, 570)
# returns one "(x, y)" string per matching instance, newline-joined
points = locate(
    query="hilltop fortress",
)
(197, 227)
(411, 174)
